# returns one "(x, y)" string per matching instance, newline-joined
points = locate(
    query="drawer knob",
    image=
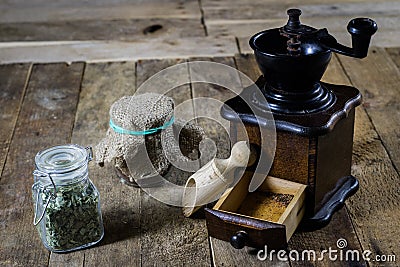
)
(238, 240)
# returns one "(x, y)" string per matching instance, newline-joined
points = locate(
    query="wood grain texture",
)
(70, 11)
(247, 11)
(395, 55)
(335, 25)
(375, 206)
(118, 29)
(78, 3)
(13, 81)
(167, 237)
(106, 51)
(209, 98)
(225, 255)
(375, 154)
(223, 3)
(371, 164)
(46, 119)
(76, 259)
(381, 95)
(339, 227)
(246, 63)
(291, 148)
(173, 82)
(103, 84)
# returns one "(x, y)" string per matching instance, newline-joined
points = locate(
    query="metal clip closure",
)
(90, 153)
(38, 173)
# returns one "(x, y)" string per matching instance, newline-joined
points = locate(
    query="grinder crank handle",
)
(361, 30)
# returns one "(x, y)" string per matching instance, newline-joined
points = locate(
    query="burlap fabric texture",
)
(139, 156)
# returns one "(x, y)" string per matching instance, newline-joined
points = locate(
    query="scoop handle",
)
(239, 157)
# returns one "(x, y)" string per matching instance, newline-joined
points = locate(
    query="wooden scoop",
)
(207, 184)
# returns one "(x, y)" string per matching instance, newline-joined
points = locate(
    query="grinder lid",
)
(296, 39)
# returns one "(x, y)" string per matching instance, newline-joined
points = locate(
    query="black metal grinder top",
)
(293, 59)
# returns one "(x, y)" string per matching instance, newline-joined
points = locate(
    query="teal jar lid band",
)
(121, 130)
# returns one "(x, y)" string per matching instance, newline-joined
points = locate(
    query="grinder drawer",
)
(269, 216)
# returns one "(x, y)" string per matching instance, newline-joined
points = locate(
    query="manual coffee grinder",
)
(314, 120)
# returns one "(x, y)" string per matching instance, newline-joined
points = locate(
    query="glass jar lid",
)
(62, 159)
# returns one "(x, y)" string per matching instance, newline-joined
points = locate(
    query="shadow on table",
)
(119, 225)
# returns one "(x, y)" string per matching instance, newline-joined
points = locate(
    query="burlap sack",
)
(141, 154)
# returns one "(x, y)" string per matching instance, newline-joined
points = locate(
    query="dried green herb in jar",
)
(67, 204)
(72, 218)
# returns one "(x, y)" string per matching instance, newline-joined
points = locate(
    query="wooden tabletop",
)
(49, 104)
(119, 30)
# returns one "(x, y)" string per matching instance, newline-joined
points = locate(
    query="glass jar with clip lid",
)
(66, 203)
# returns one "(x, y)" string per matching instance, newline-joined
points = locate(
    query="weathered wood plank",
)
(96, 51)
(277, 10)
(118, 29)
(335, 25)
(79, 3)
(46, 119)
(395, 55)
(378, 77)
(165, 83)
(248, 65)
(224, 3)
(332, 16)
(76, 259)
(338, 229)
(375, 206)
(94, 11)
(209, 98)
(226, 255)
(103, 84)
(167, 238)
(13, 81)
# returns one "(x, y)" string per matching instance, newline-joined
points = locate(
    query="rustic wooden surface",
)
(121, 30)
(46, 118)
(377, 151)
(48, 104)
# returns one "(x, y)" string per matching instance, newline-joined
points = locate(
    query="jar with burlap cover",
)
(144, 138)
